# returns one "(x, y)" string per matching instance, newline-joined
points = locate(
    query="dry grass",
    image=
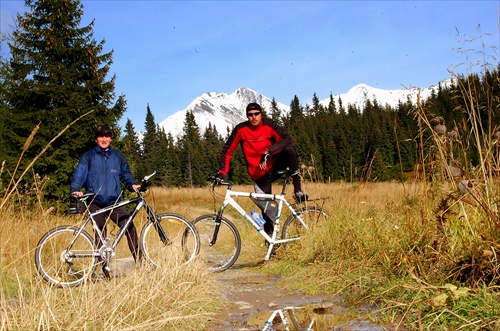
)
(396, 245)
(386, 243)
(182, 298)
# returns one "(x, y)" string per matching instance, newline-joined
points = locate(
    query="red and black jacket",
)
(255, 141)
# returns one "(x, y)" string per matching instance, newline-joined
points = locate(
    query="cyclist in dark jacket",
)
(101, 170)
(267, 148)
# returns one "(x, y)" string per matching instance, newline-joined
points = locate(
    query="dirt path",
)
(251, 298)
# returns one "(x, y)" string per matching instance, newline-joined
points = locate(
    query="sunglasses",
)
(253, 114)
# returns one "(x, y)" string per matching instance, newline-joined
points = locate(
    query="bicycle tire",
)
(181, 247)
(293, 228)
(54, 264)
(224, 253)
(301, 321)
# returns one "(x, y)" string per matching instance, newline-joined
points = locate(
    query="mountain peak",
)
(224, 111)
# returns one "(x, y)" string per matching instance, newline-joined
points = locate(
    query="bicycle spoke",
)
(63, 267)
(171, 241)
(294, 228)
(221, 255)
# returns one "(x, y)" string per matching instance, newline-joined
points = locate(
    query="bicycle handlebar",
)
(145, 184)
(218, 182)
(146, 178)
(83, 197)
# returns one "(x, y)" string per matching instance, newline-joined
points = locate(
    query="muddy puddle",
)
(253, 299)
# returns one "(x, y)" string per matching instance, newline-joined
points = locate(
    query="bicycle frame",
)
(280, 198)
(68, 255)
(284, 320)
(107, 248)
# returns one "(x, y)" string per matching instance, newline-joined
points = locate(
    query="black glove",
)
(220, 177)
(264, 157)
(144, 186)
(263, 160)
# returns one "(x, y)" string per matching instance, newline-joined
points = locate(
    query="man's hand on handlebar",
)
(263, 160)
(220, 177)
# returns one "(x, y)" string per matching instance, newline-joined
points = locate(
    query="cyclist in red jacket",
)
(267, 148)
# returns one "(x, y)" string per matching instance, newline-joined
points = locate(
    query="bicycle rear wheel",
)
(293, 228)
(62, 265)
(180, 243)
(221, 255)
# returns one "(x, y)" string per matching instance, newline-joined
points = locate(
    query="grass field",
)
(417, 251)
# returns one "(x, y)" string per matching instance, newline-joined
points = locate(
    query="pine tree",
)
(297, 129)
(3, 107)
(162, 165)
(150, 143)
(57, 72)
(332, 108)
(275, 112)
(212, 145)
(296, 111)
(131, 147)
(191, 153)
(173, 169)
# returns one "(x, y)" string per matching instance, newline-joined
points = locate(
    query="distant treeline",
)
(375, 143)
(56, 88)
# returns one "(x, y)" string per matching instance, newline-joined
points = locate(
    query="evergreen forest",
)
(56, 89)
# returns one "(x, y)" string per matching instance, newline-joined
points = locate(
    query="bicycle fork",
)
(156, 222)
(218, 221)
(159, 229)
(284, 320)
(67, 255)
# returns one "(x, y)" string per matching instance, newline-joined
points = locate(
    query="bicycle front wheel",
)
(62, 264)
(172, 239)
(225, 251)
(295, 229)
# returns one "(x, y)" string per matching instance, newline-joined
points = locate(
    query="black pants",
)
(119, 216)
(287, 158)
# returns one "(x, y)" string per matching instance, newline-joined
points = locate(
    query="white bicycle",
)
(268, 326)
(220, 241)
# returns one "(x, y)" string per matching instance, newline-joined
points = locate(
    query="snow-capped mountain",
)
(224, 110)
(359, 94)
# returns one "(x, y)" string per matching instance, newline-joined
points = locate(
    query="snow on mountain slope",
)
(224, 110)
(360, 93)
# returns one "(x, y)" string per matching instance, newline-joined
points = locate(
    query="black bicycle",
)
(68, 255)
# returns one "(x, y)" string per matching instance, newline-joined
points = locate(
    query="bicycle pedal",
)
(106, 271)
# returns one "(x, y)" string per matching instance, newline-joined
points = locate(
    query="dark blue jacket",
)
(101, 172)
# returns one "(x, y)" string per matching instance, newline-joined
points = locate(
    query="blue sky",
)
(167, 53)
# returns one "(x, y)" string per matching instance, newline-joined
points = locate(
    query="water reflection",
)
(325, 317)
(279, 317)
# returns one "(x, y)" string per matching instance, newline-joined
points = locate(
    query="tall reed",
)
(426, 254)
(181, 298)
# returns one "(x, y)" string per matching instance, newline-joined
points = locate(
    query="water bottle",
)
(257, 218)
